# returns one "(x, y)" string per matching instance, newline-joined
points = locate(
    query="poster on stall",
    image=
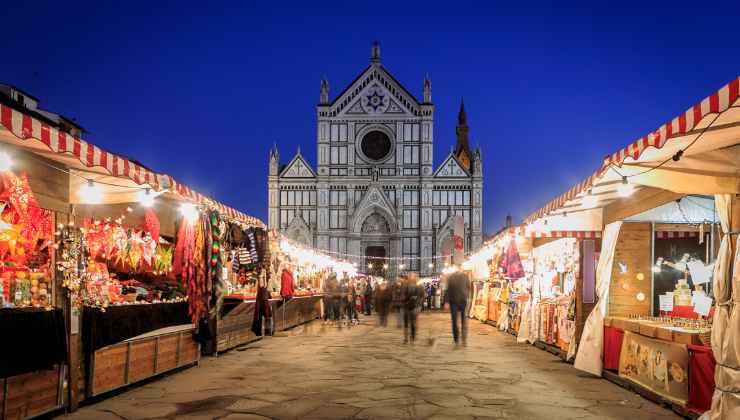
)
(660, 366)
(458, 254)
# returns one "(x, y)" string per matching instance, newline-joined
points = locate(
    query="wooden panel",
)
(189, 351)
(141, 360)
(235, 328)
(109, 368)
(633, 251)
(32, 394)
(167, 353)
(642, 200)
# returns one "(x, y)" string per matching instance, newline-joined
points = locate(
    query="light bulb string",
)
(149, 188)
(679, 153)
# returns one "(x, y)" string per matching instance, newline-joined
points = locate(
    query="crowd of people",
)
(344, 298)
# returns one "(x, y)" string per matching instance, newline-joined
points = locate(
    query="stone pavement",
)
(366, 372)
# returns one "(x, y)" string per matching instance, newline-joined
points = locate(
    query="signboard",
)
(458, 236)
(660, 366)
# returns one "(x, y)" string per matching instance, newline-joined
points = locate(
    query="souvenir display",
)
(26, 246)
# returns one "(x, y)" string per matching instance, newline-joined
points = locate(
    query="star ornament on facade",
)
(375, 100)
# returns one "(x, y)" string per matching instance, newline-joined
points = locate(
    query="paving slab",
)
(366, 372)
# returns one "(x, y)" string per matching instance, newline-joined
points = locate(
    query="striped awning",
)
(686, 124)
(27, 128)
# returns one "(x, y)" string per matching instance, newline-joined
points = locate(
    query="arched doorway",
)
(375, 230)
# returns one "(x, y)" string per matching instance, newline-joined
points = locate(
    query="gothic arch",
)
(362, 214)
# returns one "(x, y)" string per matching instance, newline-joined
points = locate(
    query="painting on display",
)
(658, 365)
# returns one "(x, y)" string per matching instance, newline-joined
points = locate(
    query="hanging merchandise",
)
(511, 263)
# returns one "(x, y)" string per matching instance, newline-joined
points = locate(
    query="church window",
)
(407, 132)
(338, 198)
(411, 155)
(435, 198)
(337, 219)
(376, 145)
(338, 155)
(410, 218)
(410, 252)
(411, 198)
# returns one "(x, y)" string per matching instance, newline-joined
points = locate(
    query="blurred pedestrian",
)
(412, 296)
(329, 289)
(458, 289)
(382, 302)
(368, 293)
(352, 316)
(397, 302)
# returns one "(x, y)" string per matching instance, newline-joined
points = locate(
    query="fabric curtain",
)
(588, 357)
(726, 323)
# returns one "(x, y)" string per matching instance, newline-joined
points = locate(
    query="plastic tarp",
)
(588, 357)
(726, 323)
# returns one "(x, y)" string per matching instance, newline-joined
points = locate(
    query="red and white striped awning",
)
(686, 126)
(27, 128)
(522, 230)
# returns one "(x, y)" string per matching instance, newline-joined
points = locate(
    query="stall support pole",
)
(652, 266)
(5, 399)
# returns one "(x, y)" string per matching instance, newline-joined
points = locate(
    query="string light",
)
(401, 266)
(430, 265)
(91, 193)
(385, 266)
(5, 162)
(625, 189)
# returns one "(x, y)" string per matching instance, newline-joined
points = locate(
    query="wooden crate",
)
(31, 394)
(137, 359)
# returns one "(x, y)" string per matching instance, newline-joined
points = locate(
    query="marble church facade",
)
(374, 192)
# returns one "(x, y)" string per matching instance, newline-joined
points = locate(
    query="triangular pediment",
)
(375, 92)
(298, 168)
(374, 201)
(451, 168)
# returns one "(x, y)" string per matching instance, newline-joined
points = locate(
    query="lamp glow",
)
(625, 189)
(146, 198)
(189, 211)
(385, 266)
(5, 162)
(401, 266)
(91, 193)
(430, 265)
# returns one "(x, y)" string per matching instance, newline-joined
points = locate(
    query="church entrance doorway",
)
(375, 260)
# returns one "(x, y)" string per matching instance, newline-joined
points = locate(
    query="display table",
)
(130, 343)
(234, 323)
(33, 363)
(637, 349)
(295, 311)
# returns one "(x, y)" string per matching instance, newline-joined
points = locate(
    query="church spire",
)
(324, 92)
(462, 149)
(375, 54)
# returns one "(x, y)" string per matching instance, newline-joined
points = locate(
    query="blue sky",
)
(201, 90)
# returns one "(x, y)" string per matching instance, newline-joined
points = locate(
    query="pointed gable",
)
(298, 168)
(374, 91)
(374, 197)
(451, 168)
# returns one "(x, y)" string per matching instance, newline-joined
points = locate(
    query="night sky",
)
(200, 90)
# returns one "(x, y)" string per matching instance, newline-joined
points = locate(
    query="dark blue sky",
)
(200, 90)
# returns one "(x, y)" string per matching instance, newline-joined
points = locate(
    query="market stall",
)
(298, 276)
(34, 349)
(660, 302)
(106, 265)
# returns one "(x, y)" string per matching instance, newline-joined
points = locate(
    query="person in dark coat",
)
(458, 289)
(368, 297)
(382, 303)
(411, 296)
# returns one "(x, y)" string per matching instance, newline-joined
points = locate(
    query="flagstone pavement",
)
(366, 372)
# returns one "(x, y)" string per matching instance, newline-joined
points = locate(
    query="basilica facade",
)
(375, 197)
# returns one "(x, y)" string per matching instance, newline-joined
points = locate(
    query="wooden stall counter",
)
(129, 343)
(658, 330)
(295, 311)
(234, 324)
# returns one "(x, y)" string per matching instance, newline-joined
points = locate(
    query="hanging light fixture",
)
(590, 200)
(146, 198)
(5, 162)
(91, 193)
(189, 211)
(625, 189)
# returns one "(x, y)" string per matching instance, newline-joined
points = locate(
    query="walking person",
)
(352, 316)
(396, 302)
(382, 303)
(368, 293)
(412, 295)
(458, 289)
